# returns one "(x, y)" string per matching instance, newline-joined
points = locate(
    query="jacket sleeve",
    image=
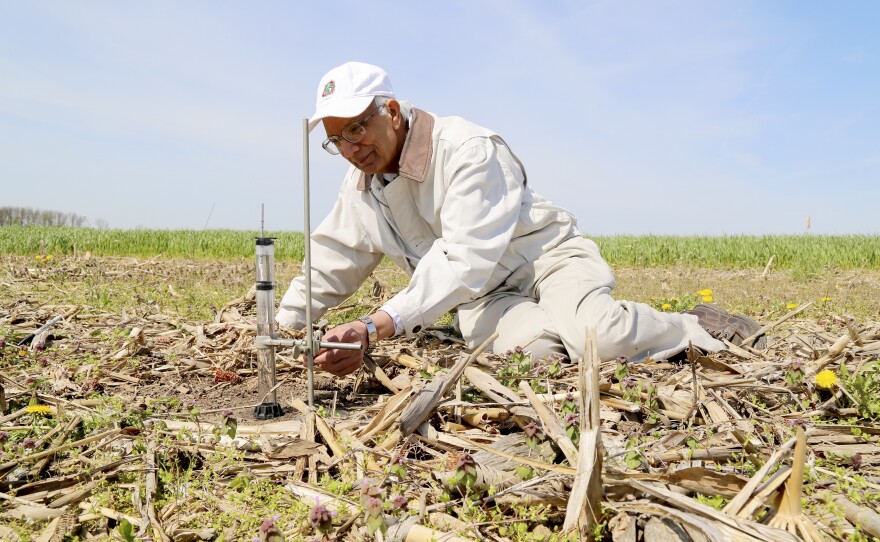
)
(478, 217)
(341, 260)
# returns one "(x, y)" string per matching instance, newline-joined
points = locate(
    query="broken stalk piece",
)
(42, 328)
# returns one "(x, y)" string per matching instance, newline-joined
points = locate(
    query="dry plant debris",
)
(138, 425)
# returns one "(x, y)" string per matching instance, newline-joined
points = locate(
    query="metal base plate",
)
(266, 411)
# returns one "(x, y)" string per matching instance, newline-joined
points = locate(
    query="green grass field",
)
(808, 253)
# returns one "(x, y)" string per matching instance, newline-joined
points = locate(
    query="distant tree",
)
(25, 216)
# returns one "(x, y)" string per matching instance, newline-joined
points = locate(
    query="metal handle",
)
(264, 341)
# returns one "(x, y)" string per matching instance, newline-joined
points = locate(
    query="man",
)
(449, 202)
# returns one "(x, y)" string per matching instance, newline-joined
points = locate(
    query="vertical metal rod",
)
(262, 220)
(307, 265)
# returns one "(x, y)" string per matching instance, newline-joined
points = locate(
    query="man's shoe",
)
(720, 324)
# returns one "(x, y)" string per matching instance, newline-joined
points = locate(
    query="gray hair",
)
(379, 101)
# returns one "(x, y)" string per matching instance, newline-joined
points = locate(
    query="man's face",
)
(379, 150)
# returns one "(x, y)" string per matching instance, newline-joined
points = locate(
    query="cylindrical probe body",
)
(266, 317)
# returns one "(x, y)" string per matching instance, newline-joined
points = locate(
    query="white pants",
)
(550, 303)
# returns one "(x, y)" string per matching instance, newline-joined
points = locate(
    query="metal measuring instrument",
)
(265, 341)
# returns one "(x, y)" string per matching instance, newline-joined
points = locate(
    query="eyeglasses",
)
(352, 133)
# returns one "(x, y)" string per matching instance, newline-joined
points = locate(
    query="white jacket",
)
(459, 219)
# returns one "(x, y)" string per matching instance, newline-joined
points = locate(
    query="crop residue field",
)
(135, 420)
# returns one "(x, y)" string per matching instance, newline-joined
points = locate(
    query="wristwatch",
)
(372, 332)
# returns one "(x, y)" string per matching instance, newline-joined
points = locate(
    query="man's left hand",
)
(343, 362)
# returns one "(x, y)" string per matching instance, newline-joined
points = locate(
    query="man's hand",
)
(343, 362)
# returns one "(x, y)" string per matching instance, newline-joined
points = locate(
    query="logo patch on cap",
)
(328, 89)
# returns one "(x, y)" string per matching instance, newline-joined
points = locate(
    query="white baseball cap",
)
(346, 91)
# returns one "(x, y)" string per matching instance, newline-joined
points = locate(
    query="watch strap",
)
(372, 331)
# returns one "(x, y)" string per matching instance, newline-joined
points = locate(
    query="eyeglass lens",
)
(352, 133)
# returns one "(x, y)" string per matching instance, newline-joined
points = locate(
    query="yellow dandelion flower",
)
(826, 379)
(666, 306)
(39, 409)
(791, 306)
(707, 298)
(825, 299)
(48, 256)
(705, 292)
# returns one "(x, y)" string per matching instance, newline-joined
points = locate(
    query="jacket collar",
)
(415, 158)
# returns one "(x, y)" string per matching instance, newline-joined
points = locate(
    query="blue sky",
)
(640, 117)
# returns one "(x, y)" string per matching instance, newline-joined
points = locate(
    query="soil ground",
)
(112, 292)
(172, 340)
